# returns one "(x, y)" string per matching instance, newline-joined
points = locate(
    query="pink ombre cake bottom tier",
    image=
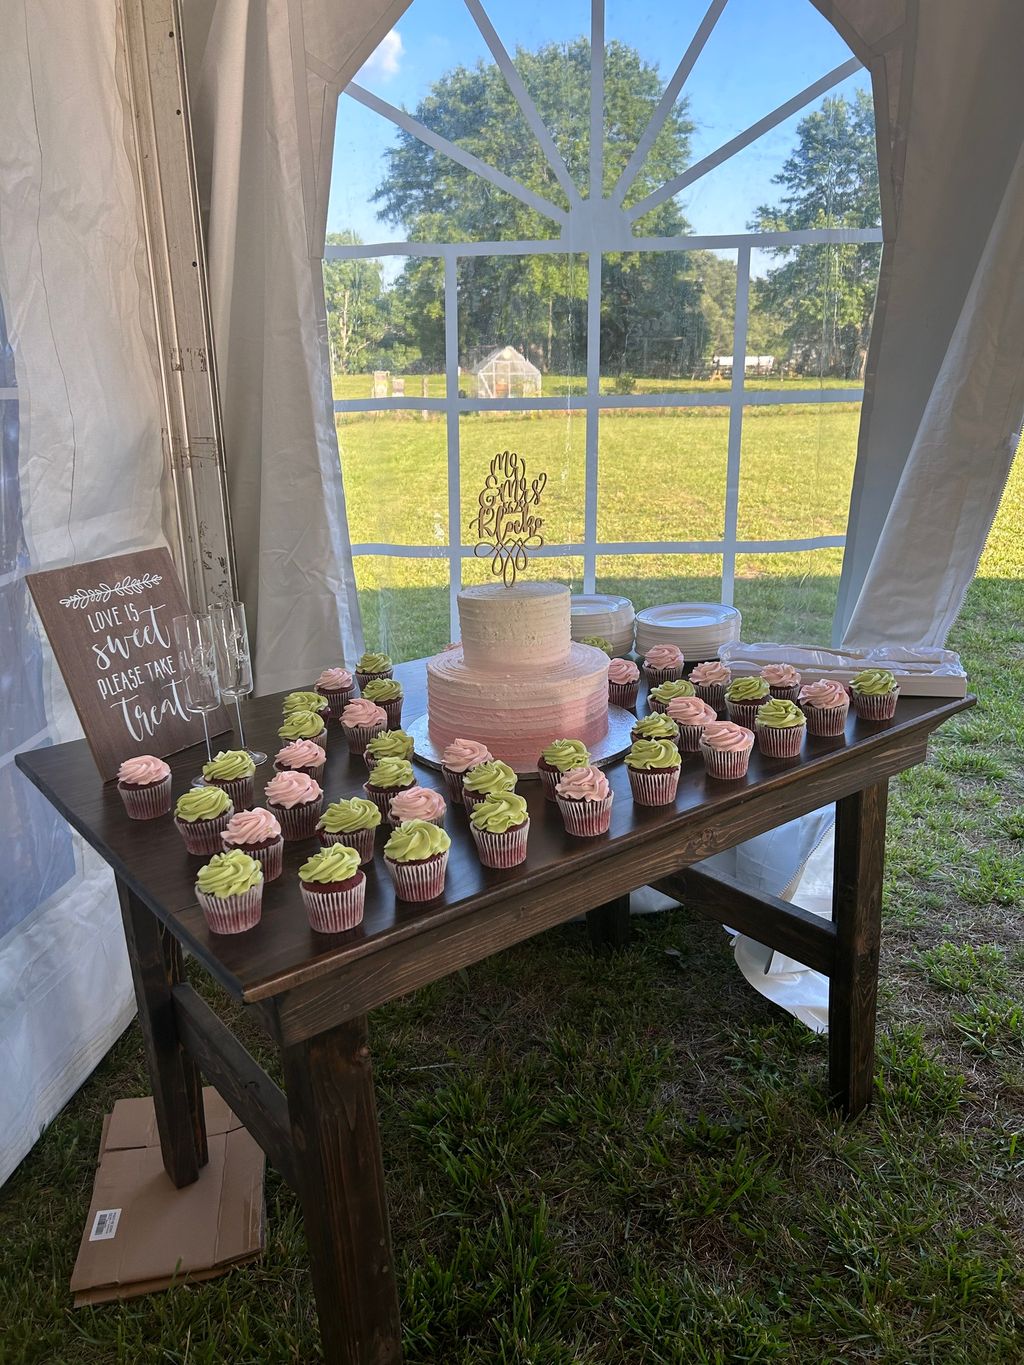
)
(517, 712)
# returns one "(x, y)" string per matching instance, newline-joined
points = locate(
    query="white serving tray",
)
(920, 672)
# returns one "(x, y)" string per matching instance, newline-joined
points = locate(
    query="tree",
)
(357, 312)
(823, 296)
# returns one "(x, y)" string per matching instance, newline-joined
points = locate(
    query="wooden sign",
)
(505, 525)
(109, 623)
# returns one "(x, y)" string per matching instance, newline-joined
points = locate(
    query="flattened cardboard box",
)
(142, 1234)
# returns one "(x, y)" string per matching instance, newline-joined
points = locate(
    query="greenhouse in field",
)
(506, 373)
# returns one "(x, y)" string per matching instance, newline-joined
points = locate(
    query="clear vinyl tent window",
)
(692, 385)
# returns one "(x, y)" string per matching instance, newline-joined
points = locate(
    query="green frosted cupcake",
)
(333, 889)
(655, 726)
(416, 855)
(743, 699)
(387, 694)
(233, 770)
(598, 642)
(305, 701)
(304, 725)
(557, 758)
(659, 697)
(485, 779)
(653, 766)
(352, 822)
(388, 744)
(388, 777)
(875, 693)
(373, 665)
(780, 727)
(229, 890)
(500, 825)
(200, 816)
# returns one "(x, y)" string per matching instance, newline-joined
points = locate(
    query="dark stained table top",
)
(283, 951)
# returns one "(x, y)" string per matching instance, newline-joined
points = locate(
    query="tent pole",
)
(192, 427)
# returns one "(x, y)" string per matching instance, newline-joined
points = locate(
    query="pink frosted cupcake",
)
(257, 833)
(875, 693)
(725, 748)
(585, 801)
(783, 681)
(659, 697)
(335, 685)
(710, 680)
(387, 694)
(456, 761)
(692, 716)
(417, 803)
(296, 800)
(361, 720)
(653, 766)
(500, 826)
(353, 822)
(333, 889)
(387, 778)
(233, 770)
(144, 784)
(623, 683)
(301, 756)
(201, 816)
(229, 890)
(826, 705)
(780, 727)
(416, 856)
(744, 697)
(663, 663)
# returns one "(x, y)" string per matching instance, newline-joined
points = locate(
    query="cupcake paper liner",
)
(453, 785)
(743, 712)
(870, 706)
(313, 770)
(725, 764)
(362, 840)
(501, 850)
(780, 741)
(271, 858)
(655, 676)
(785, 693)
(713, 694)
(472, 798)
(337, 698)
(381, 798)
(321, 738)
(203, 836)
(624, 694)
(653, 786)
(393, 710)
(231, 914)
(826, 721)
(656, 707)
(241, 790)
(332, 912)
(549, 781)
(689, 738)
(359, 736)
(419, 881)
(586, 819)
(363, 678)
(298, 822)
(146, 803)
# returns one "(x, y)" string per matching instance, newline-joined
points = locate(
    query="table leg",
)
(857, 912)
(333, 1115)
(156, 963)
(609, 924)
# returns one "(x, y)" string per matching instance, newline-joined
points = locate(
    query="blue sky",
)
(761, 53)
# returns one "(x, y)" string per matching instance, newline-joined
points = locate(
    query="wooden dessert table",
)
(311, 993)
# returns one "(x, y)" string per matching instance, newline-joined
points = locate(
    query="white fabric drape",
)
(84, 480)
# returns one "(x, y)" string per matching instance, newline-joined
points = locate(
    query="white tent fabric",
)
(86, 483)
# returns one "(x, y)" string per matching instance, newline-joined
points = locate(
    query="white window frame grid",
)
(595, 226)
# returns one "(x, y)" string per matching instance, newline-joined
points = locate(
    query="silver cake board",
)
(602, 752)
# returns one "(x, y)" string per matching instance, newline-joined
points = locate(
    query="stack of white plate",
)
(699, 629)
(603, 615)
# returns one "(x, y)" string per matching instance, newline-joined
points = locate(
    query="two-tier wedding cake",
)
(517, 681)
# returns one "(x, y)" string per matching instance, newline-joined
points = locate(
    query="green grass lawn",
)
(628, 1161)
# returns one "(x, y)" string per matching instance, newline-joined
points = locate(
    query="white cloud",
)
(386, 59)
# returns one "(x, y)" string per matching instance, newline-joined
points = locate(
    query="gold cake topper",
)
(505, 526)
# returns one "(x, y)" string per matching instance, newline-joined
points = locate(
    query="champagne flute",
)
(197, 661)
(235, 663)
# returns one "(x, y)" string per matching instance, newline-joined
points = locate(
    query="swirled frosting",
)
(417, 803)
(780, 675)
(653, 753)
(392, 772)
(301, 725)
(675, 687)
(390, 744)
(622, 672)
(658, 725)
(564, 754)
(499, 813)
(723, 735)
(416, 840)
(711, 674)
(584, 784)
(374, 663)
(781, 715)
(292, 789)
(349, 816)
(597, 642)
(360, 713)
(304, 701)
(825, 694)
(463, 754)
(202, 803)
(229, 874)
(250, 827)
(142, 770)
(334, 680)
(335, 863)
(747, 689)
(382, 689)
(664, 656)
(229, 765)
(494, 776)
(691, 711)
(301, 753)
(873, 682)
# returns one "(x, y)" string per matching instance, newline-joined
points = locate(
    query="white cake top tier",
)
(514, 629)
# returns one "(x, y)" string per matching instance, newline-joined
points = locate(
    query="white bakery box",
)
(919, 672)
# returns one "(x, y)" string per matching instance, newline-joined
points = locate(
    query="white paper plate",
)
(699, 629)
(606, 615)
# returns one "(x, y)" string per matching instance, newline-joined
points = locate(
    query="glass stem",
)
(241, 732)
(206, 736)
